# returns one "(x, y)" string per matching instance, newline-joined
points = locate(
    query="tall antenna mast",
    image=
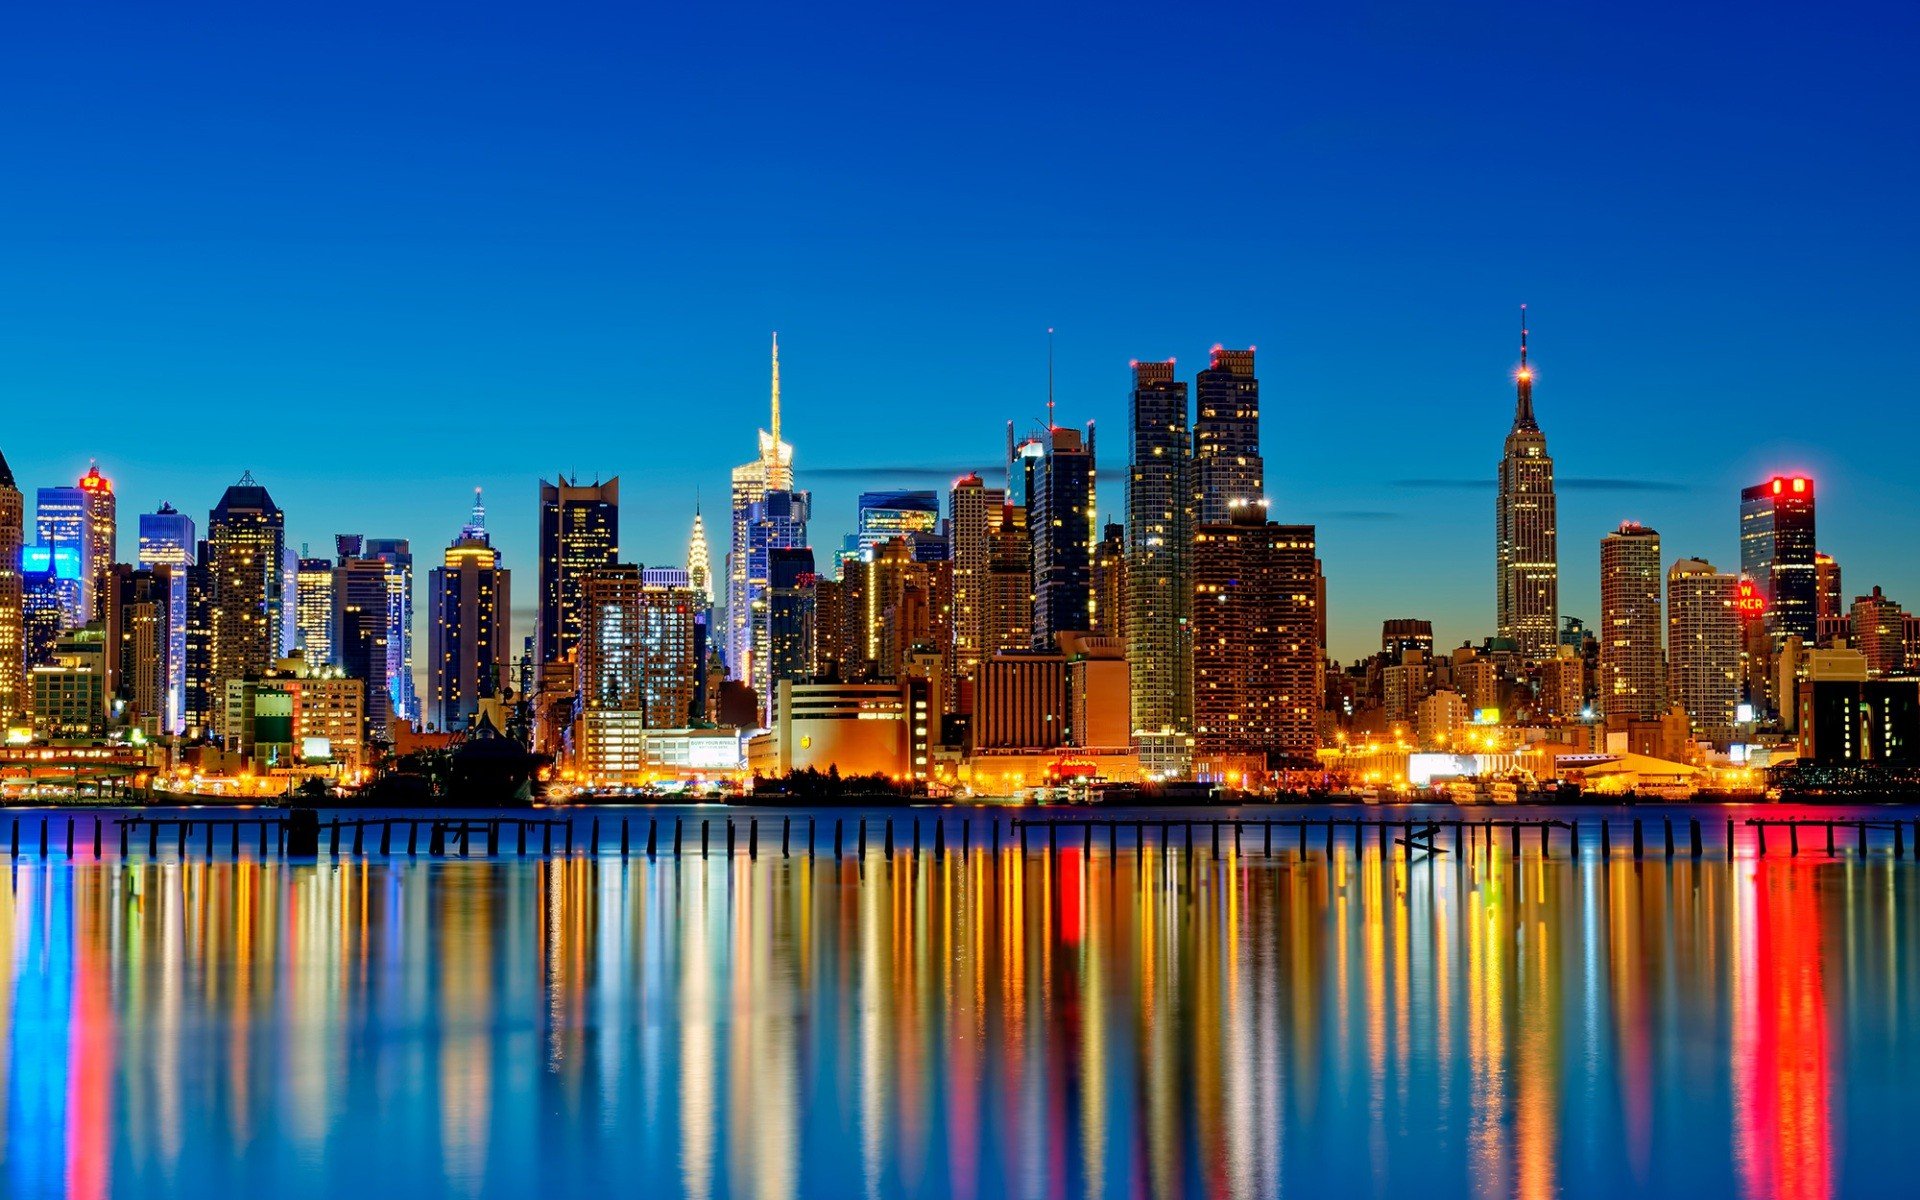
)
(1049, 380)
(776, 396)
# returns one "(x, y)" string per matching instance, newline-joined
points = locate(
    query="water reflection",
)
(978, 1024)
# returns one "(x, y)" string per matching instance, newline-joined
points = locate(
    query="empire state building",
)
(1527, 585)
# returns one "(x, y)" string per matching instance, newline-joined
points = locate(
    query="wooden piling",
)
(996, 836)
(703, 837)
(1456, 840)
(1899, 840)
(729, 837)
(466, 837)
(940, 838)
(1793, 839)
(593, 837)
(1236, 839)
(1860, 837)
(333, 839)
(1086, 841)
(836, 838)
(786, 835)
(916, 837)
(1639, 841)
(676, 838)
(1380, 839)
(1359, 845)
(886, 840)
(386, 838)
(1729, 839)
(810, 839)
(123, 841)
(653, 836)
(861, 845)
(1546, 835)
(1513, 840)
(966, 836)
(96, 838)
(1668, 823)
(1215, 825)
(626, 842)
(69, 837)
(1113, 838)
(1573, 838)
(1303, 830)
(1829, 839)
(436, 839)
(753, 839)
(1606, 838)
(153, 839)
(1053, 839)
(1760, 834)
(569, 842)
(359, 837)
(546, 838)
(493, 840)
(1694, 840)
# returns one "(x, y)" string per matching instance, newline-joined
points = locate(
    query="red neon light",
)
(1747, 601)
(1777, 485)
(1799, 485)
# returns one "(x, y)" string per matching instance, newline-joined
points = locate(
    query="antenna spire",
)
(1049, 380)
(776, 396)
(1523, 381)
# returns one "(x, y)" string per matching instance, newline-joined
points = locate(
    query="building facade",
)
(1159, 532)
(1630, 625)
(1703, 645)
(770, 471)
(1526, 527)
(638, 669)
(1060, 522)
(246, 541)
(579, 534)
(13, 656)
(1227, 467)
(1777, 554)
(471, 601)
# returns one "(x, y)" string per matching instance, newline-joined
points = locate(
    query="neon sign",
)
(1747, 601)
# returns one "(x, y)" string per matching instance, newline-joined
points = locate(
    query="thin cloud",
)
(1571, 484)
(1361, 514)
(920, 474)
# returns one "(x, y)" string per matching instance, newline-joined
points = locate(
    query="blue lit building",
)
(397, 554)
(167, 539)
(1058, 485)
(776, 521)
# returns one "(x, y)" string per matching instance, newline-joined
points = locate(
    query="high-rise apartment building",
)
(246, 540)
(1828, 599)
(638, 668)
(1060, 516)
(883, 516)
(1109, 582)
(167, 539)
(1703, 644)
(1227, 468)
(1256, 658)
(139, 614)
(790, 614)
(1008, 623)
(62, 538)
(771, 470)
(974, 514)
(1401, 634)
(776, 521)
(472, 601)
(1160, 499)
(1880, 634)
(13, 660)
(361, 628)
(1630, 625)
(579, 534)
(313, 610)
(1527, 571)
(1777, 554)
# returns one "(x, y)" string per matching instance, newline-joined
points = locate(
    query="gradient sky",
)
(380, 255)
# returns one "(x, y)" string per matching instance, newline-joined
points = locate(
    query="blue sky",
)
(379, 257)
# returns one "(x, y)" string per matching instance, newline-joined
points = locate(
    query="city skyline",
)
(500, 305)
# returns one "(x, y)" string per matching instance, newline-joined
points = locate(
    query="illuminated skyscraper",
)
(638, 668)
(1227, 467)
(1527, 574)
(579, 533)
(776, 521)
(1630, 625)
(167, 539)
(1060, 517)
(1256, 654)
(13, 669)
(790, 615)
(700, 559)
(770, 471)
(101, 523)
(1828, 599)
(1777, 554)
(1160, 497)
(397, 554)
(1108, 578)
(884, 516)
(361, 628)
(246, 540)
(1008, 621)
(313, 610)
(139, 613)
(1703, 645)
(471, 598)
(1880, 634)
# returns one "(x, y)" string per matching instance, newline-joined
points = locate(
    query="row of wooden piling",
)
(462, 836)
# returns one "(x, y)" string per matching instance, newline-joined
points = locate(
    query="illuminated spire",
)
(775, 431)
(699, 562)
(476, 526)
(1523, 381)
(1049, 379)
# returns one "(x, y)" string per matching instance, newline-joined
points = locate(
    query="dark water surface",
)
(1048, 1024)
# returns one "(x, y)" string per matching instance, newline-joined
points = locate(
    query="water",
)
(978, 1025)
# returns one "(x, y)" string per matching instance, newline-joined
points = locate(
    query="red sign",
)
(1748, 602)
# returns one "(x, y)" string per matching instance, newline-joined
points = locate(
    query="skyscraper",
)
(471, 598)
(361, 628)
(974, 511)
(638, 668)
(139, 612)
(1777, 554)
(1060, 518)
(1527, 574)
(1226, 436)
(100, 520)
(60, 521)
(883, 516)
(1630, 625)
(1880, 634)
(1256, 657)
(579, 533)
(790, 615)
(313, 610)
(246, 539)
(1703, 645)
(1828, 598)
(771, 471)
(167, 540)
(776, 521)
(1108, 582)
(397, 554)
(13, 661)
(700, 559)
(1160, 497)
(1008, 598)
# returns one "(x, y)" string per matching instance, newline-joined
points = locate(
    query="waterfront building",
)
(70, 692)
(313, 609)
(361, 628)
(62, 544)
(851, 728)
(974, 514)
(471, 601)
(1478, 681)
(1404, 683)
(199, 699)
(1227, 468)
(1846, 721)
(639, 669)
(1527, 571)
(1256, 661)
(1099, 694)
(1563, 685)
(1630, 625)
(1880, 634)
(770, 471)
(1020, 701)
(140, 643)
(298, 714)
(167, 539)
(579, 534)
(397, 554)
(1703, 645)
(1159, 581)
(1777, 554)
(246, 541)
(13, 682)
(1441, 717)
(1108, 580)
(1059, 493)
